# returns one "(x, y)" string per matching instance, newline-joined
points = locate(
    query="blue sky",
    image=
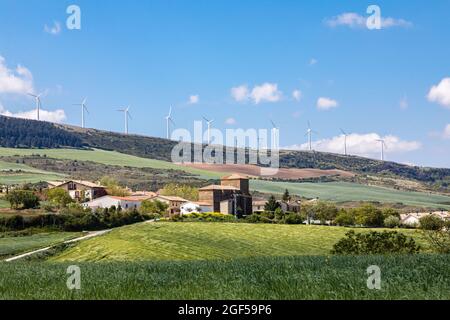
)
(153, 54)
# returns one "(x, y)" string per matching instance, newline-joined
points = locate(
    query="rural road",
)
(88, 236)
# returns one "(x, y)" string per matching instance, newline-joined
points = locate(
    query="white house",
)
(131, 202)
(413, 219)
(195, 207)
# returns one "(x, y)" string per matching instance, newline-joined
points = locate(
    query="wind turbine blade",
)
(309, 124)
(170, 112)
(205, 119)
(173, 122)
(33, 95)
(129, 115)
(85, 108)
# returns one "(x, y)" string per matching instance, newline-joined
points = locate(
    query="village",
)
(231, 197)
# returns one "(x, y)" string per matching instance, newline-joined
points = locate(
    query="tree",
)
(59, 197)
(184, 191)
(369, 216)
(153, 206)
(325, 211)
(392, 222)
(22, 199)
(113, 188)
(286, 196)
(431, 222)
(345, 218)
(279, 213)
(271, 205)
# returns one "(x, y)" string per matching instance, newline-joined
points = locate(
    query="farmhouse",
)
(232, 196)
(413, 219)
(130, 202)
(80, 190)
(173, 202)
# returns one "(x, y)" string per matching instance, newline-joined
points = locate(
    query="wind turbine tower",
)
(209, 122)
(127, 114)
(38, 103)
(345, 141)
(83, 109)
(309, 133)
(383, 146)
(168, 121)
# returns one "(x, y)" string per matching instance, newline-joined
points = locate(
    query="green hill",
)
(168, 241)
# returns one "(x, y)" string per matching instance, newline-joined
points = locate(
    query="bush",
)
(386, 242)
(204, 217)
(295, 218)
(431, 222)
(392, 222)
(369, 216)
(22, 199)
(439, 240)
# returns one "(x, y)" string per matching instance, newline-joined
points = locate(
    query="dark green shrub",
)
(386, 242)
(431, 222)
(392, 222)
(22, 199)
(345, 218)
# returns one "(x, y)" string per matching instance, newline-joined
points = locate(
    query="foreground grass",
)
(345, 191)
(10, 246)
(402, 277)
(172, 241)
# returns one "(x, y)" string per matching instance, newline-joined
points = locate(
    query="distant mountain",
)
(20, 133)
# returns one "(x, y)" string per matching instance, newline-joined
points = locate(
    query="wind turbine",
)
(83, 108)
(383, 145)
(38, 103)
(309, 133)
(209, 122)
(345, 141)
(127, 114)
(275, 135)
(168, 121)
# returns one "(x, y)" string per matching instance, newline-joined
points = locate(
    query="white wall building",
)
(126, 203)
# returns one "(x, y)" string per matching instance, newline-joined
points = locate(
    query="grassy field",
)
(319, 277)
(15, 245)
(17, 173)
(344, 191)
(108, 158)
(172, 241)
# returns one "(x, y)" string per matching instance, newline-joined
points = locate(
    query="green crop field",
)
(207, 241)
(17, 173)
(305, 277)
(15, 245)
(108, 158)
(344, 191)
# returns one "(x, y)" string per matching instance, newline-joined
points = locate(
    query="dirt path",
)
(88, 236)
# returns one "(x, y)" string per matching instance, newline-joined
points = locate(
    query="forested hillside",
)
(19, 133)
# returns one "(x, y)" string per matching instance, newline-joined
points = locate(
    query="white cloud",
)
(440, 93)
(56, 116)
(240, 93)
(313, 61)
(18, 81)
(194, 99)
(297, 95)
(446, 134)
(354, 20)
(230, 121)
(267, 92)
(53, 30)
(326, 103)
(365, 145)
